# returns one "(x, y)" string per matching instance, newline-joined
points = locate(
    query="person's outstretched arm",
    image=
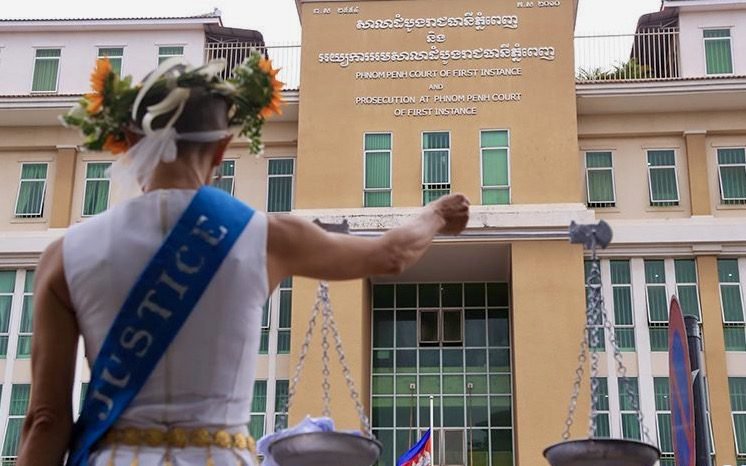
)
(48, 424)
(298, 247)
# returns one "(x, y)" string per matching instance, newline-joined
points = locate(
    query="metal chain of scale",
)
(324, 307)
(597, 319)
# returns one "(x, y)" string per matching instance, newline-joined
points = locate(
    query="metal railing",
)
(286, 57)
(646, 55)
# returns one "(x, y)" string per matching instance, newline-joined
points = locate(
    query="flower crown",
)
(253, 93)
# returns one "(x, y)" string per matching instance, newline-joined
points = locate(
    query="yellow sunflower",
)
(98, 85)
(274, 104)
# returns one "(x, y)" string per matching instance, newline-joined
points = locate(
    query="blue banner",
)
(156, 308)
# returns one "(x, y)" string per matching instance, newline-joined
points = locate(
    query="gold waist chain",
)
(177, 438)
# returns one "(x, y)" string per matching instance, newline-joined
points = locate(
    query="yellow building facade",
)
(391, 104)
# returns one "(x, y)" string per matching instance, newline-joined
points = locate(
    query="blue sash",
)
(155, 309)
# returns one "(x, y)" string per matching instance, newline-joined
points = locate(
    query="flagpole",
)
(432, 433)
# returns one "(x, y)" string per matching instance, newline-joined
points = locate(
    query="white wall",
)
(692, 45)
(79, 52)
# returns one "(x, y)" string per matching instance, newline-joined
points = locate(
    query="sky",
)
(278, 19)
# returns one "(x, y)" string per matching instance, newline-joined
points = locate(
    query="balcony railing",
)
(647, 55)
(285, 57)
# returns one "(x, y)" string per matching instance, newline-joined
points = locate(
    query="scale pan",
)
(326, 448)
(602, 452)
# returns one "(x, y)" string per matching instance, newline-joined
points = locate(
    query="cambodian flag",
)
(418, 455)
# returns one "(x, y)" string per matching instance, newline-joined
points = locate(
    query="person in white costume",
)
(203, 383)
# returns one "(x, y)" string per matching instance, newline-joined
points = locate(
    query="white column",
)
(642, 344)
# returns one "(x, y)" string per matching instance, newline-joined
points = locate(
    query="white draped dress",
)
(206, 377)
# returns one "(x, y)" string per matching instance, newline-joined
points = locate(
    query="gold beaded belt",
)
(179, 438)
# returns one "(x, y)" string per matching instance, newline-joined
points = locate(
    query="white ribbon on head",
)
(134, 170)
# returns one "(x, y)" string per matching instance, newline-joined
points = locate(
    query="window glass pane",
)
(474, 295)
(256, 425)
(735, 338)
(628, 394)
(96, 198)
(655, 271)
(12, 437)
(264, 342)
(384, 385)
(436, 167)
(498, 328)
(451, 295)
(476, 334)
(377, 170)
(733, 181)
(731, 156)
(730, 295)
(501, 411)
(19, 398)
(280, 194)
(737, 387)
(429, 326)
(657, 307)
(454, 447)
(31, 192)
(378, 199)
(662, 393)
(663, 185)
(603, 429)
(7, 281)
(494, 167)
(452, 326)
(622, 306)
(45, 70)
(115, 58)
(630, 426)
(600, 186)
(494, 139)
(283, 342)
(406, 329)
(620, 274)
(453, 411)
(381, 141)
(499, 360)
(406, 361)
(383, 411)
(435, 140)
(383, 296)
(598, 159)
(383, 329)
(728, 271)
(500, 384)
(406, 296)
(502, 447)
(708, 33)
(718, 53)
(686, 271)
(665, 441)
(281, 395)
(476, 360)
(659, 339)
(453, 360)
(602, 389)
(286, 304)
(383, 361)
(429, 361)
(281, 166)
(259, 402)
(495, 196)
(661, 158)
(739, 421)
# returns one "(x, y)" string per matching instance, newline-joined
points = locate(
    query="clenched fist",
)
(454, 210)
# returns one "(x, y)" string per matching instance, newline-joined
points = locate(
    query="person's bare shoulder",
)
(50, 274)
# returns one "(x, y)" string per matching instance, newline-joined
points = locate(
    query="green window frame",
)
(46, 70)
(7, 293)
(264, 333)
(718, 51)
(731, 305)
(737, 388)
(26, 325)
(167, 51)
(601, 407)
(599, 177)
(226, 177)
(115, 56)
(495, 162)
(377, 151)
(629, 402)
(32, 190)
(19, 399)
(280, 184)
(663, 181)
(97, 188)
(436, 165)
(285, 316)
(621, 288)
(257, 422)
(732, 174)
(657, 303)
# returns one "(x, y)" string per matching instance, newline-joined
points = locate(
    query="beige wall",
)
(547, 301)
(332, 125)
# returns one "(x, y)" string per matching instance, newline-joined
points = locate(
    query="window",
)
(377, 170)
(46, 70)
(657, 303)
(280, 185)
(281, 404)
(601, 407)
(97, 188)
(7, 287)
(441, 326)
(686, 286)
(264, 335)
(19, 398)
(470, 380)
(166, 52)
(737, 386)
(83, 393)
(718, 51)
(600, 179)
(597, 334)
(621, 286)
(629, 401)
(258, 409)
(115, 55)
(731, 304)
(436, 166)
(286, 305)
(24, 331)
(732, 172)
(225, 179)
(663, 182)
(495, 148)
(663, 416)
(31, 190)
